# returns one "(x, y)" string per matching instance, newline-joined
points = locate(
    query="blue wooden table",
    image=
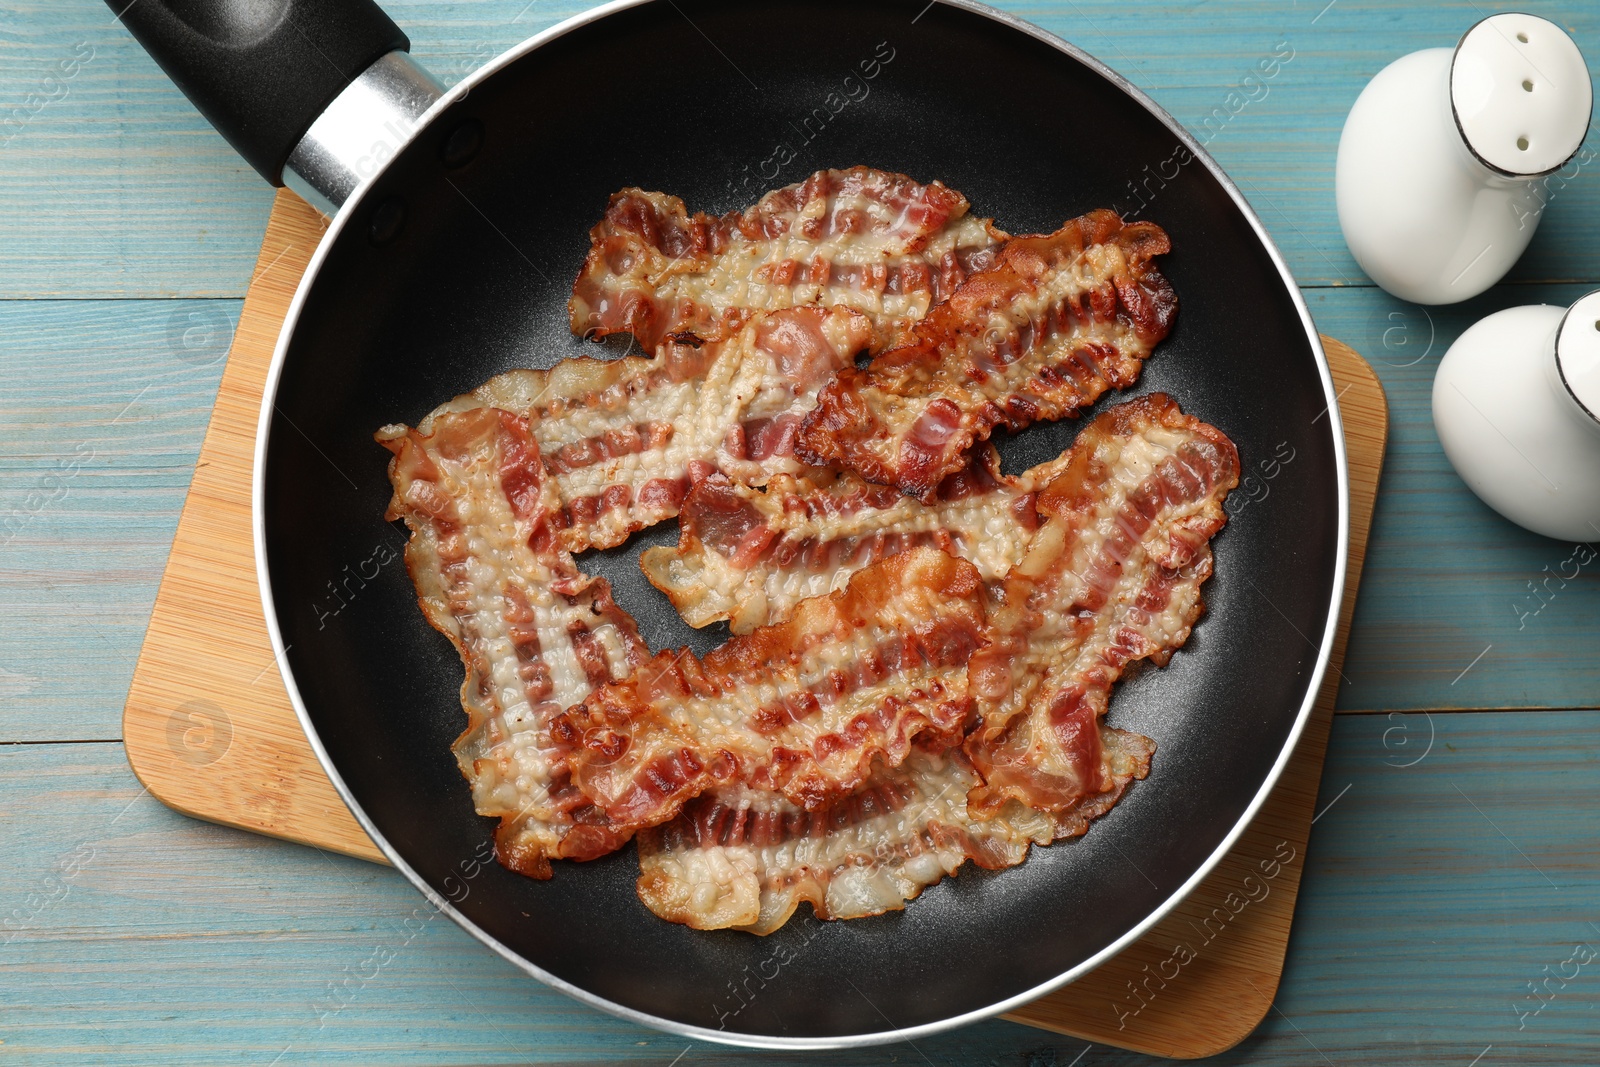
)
(1451, 898)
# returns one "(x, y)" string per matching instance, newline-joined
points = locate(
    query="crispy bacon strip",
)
(746, 859)
(750, 555)
(802, 709)
(743, 858)
(1060, 756)
(1058, 321)
(1112, 577)
(534, 634)
(621, 438)
(866, 239)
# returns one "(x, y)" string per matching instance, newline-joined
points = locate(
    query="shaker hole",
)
(1597, 325)
(1527, 85)
(1522, 37)
(1522, 143)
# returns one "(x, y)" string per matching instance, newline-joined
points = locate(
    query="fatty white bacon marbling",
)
(750, 555)
(621, 438)
(1056, 322)
(743, 858)
(535, 635)
(1112, 576)
(880, 243)
(802, 709)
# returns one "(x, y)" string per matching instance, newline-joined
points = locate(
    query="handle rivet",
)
(388, 219)
(462, 146)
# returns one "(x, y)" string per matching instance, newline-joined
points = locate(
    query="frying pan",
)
(461, 222)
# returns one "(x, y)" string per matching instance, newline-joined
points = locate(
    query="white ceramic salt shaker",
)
(1439, 160)
(1516, 403)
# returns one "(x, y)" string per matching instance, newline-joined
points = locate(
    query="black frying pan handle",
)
(262, 71)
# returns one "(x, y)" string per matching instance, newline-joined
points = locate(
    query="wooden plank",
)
(1448, 579)
(117, 188)
(1467, 841)
(178, 942)
(102, 405)
(132, 381)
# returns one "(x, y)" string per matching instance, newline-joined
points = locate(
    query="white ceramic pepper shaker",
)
(1516, 403)
(1438, 162)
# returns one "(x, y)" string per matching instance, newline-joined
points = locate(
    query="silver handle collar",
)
(361, 130)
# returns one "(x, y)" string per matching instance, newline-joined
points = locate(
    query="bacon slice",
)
(621, 438)
(866, 239)
(534, 634)
(746, 859)
(802, 709)
(1058, 321)
(1112, 577)
(750, 555)
(1060, 759)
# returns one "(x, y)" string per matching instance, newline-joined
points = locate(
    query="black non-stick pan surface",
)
(710, 99)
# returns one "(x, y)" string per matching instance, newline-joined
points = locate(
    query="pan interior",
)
(718, 102)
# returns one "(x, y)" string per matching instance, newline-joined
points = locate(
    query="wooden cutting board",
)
(209, 728)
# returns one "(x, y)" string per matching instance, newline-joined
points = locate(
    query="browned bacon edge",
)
(647, 241)
(989, 357)
(746, 860)
(1138, 600)
(748, 555)
(462, 589)
(802, 708)
(621, 439)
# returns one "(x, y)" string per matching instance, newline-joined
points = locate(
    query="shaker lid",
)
(1578, 352)
(1521, 94)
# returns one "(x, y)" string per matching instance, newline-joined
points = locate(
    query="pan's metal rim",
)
(1313, 689)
